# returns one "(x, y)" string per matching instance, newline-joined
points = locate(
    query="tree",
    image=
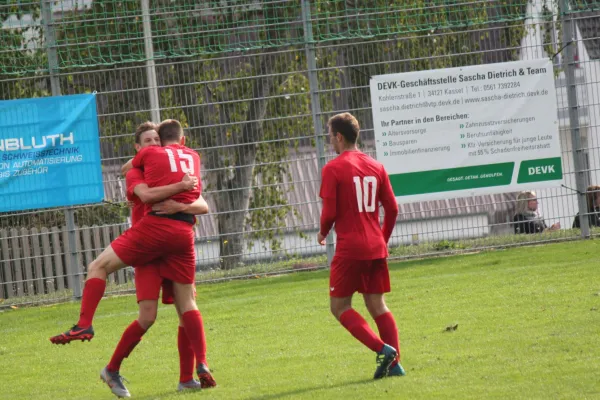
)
(414, 36)
(211, 97)
(234, 72)
(227, 105)
(21, 59)
(24, 74)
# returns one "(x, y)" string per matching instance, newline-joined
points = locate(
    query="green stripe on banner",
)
(445, 180)
(542, 169)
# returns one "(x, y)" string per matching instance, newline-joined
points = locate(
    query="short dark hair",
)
(144, 127)
(346, 125)
(592, 191)
(170, 130)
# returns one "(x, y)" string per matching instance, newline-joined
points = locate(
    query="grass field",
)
(528, 327)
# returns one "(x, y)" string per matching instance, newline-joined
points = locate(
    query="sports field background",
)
(528, 327)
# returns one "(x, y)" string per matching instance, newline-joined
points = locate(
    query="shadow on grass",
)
(186, 394)
(308, 390)
(311, 389)
(158, 396)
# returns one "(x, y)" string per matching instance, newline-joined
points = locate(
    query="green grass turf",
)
(528, 327)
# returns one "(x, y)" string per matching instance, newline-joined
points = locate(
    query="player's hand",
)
(189, 182)
(555, 227)
(168, 207)
(320, 239)
(126, 167)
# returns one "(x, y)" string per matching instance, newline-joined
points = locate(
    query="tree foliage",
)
(235, 73)
(24, 74)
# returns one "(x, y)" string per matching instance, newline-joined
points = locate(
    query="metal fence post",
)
(314, 101)
(578, 143)
(150, 65)
(73, 268)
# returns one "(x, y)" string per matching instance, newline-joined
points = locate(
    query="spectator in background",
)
(593, 206)
(527, 219)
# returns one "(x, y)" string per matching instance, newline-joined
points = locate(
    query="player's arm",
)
(126, 167)
(168, 206)
(328, 193)
(138, 160)
(159, 193)
(198, 207)
(390, 206)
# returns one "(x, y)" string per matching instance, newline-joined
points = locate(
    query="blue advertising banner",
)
(49, 152)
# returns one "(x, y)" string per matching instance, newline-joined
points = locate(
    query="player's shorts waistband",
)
(177, 217)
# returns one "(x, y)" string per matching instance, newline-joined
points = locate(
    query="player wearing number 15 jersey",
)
(352, 186)
(166, 237)
(162, 166)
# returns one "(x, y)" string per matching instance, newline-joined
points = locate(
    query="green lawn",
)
(528, 327)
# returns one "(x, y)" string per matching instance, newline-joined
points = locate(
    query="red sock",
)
(186, 356)
(388, 331)
(92, 294)
(360, 329)
(194, 328)
(131, 337)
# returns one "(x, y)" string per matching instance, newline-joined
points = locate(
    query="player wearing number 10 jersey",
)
(352, 187)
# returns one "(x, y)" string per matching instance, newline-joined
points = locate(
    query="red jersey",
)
(167, 165)
(134, 177)
(352, 187)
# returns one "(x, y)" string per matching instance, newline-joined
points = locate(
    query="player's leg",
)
(354, 323)
(339, 305)
(129, 340)
(133, 333)
(148, 313)
(186, 356)
(147, 283)
(105, 264)
(386, 324)
(347, 277)
(95, 284)
(136, 246)
(343, 282)
(180, 268)
(376, 282)
(375, 303)
(186, 353)
(388, 330)
(194, 329)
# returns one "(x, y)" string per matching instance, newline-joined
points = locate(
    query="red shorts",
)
(154, 238)
(363, 276)
(148, 283)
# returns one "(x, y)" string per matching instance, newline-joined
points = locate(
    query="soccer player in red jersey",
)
(148, 281)
(169, 237)
(352, 186)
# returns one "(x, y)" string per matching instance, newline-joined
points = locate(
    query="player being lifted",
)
(352, 187)
(169, 238)
(148, 281)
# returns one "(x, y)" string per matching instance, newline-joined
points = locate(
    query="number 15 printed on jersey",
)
(189, 168)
